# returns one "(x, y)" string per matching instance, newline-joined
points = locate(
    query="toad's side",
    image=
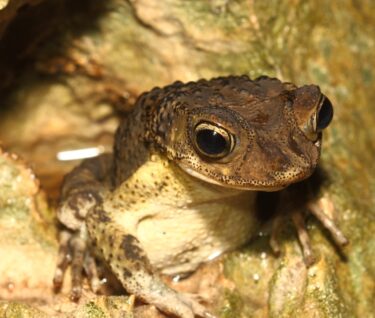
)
(180, 187)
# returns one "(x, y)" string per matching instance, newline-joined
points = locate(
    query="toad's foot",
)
(321, 209)
(73, 251)
(181, 305)
(198, 309)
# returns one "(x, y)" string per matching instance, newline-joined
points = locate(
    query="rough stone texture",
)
(14, 309)
(27, 242)
(112, 306)
(28, 253)
(100, 54)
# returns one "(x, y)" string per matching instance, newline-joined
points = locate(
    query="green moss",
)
(19, 310)
(232, 305)
(93, 311)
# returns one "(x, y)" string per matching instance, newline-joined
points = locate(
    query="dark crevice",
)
(42, 30)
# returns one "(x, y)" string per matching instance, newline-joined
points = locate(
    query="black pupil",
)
(211, 142)
(325, 114)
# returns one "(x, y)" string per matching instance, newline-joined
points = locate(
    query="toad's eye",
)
(325, 115)
(213, 141)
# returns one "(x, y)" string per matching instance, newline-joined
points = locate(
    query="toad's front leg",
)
(129, 262)
(82, 190)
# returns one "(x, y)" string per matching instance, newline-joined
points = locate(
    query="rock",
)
(27, 233)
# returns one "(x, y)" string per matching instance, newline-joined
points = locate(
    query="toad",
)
(180, 186)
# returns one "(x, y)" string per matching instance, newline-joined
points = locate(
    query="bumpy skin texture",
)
(273, 151)
(166, 202)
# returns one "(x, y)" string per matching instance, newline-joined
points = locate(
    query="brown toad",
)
(181, 185)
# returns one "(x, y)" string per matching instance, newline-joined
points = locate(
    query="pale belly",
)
(179, 239)
(181, 221)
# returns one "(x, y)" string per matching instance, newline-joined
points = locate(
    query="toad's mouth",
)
(244, 185)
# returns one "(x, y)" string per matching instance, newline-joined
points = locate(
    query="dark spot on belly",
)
(132, 251)
(111, 240)
(127, 274)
